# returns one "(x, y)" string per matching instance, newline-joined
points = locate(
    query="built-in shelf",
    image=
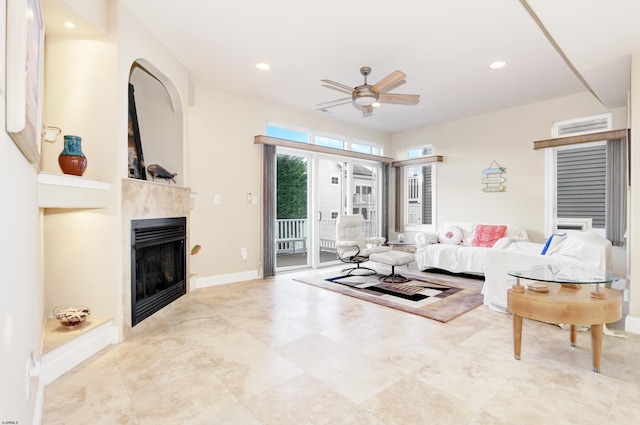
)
(64, 348)
(66, 191)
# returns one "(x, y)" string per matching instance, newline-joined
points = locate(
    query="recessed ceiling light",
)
(262, 66)
(70, 25)
(498, 65)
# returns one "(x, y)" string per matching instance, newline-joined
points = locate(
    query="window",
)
(581, 174)
(576, 195)
(364, 211)
(418, 194)
(363, 148)
(329, 142)
(420, 151)
(301, 135)
(283, 133)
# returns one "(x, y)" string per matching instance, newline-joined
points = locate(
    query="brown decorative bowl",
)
(71, 315)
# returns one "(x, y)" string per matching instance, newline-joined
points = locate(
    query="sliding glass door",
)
(292, 211)
(312, 190)
(329, 189)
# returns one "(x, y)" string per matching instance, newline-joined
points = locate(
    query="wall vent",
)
(585, 125)
(574, 224)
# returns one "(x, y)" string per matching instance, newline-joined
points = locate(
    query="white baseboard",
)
(205, 282)
(632, 324)
(64, 358)
(39, 403)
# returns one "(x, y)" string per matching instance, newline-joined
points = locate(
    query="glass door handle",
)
(319, 215)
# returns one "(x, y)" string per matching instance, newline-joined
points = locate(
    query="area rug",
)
(440, 298)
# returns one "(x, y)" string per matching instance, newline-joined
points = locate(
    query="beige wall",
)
(80, 82)
(225, 162)
(21, 321)
(86, 94)
(470, 145)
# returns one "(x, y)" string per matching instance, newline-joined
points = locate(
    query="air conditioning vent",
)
(588, 126)
(574, 224)
(585, 125)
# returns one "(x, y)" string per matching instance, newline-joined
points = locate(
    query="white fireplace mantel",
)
(66, 191)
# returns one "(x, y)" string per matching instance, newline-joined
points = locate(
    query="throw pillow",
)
(450, 234)
(486, 235)
(553, 241)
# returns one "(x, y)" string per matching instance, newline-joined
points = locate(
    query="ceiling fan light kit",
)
(366, 97)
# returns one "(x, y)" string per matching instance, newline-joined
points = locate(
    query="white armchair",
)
(351, 245)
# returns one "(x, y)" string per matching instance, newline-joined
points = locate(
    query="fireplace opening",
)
(158, 264)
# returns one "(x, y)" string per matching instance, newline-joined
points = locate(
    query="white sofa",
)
(580, 249)
(462, 257)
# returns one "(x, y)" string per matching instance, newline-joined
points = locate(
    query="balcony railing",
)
(362, 199)
(291, 236)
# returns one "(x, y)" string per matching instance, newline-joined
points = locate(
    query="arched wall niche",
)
(159, 120)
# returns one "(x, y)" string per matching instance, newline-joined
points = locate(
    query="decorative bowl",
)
(71, 315)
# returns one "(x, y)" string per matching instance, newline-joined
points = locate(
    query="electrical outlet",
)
(33, 370)
(217, 199)
(243, 251)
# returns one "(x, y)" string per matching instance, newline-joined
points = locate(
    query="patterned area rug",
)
(431, 295)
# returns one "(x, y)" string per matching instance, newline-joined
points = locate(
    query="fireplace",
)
(158, 264)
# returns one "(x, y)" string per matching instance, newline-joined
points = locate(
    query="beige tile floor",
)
(282, 352)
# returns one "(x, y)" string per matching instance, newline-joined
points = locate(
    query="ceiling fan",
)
(366, 97)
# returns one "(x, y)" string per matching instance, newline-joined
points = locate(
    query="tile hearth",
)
(277, 351)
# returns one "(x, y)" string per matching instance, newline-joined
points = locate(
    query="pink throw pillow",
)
(487, 235)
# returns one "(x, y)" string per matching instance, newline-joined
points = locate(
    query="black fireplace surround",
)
(158, 264)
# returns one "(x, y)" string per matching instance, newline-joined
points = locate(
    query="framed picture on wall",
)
(25, 56)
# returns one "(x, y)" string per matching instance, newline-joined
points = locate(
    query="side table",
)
(557, 296)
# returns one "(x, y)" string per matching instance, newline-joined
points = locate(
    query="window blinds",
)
(581, 183)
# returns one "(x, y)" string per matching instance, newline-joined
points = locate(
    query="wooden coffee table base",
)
(565, 305)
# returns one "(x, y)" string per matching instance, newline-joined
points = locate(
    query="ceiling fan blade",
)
(341, 90)
(367, 111)
(333, 103)
(399, 99)
(388, 82)
(394, 86)
(334, 84)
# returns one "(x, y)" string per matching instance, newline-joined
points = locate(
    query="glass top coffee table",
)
(554, 295)
(568, 276)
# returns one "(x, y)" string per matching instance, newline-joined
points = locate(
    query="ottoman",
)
(393, 259)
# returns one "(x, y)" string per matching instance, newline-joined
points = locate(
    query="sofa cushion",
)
(450, 234)
(486, 235)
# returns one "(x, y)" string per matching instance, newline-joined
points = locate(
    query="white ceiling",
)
(443, 46)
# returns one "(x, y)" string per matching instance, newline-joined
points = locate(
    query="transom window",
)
(326, 140)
